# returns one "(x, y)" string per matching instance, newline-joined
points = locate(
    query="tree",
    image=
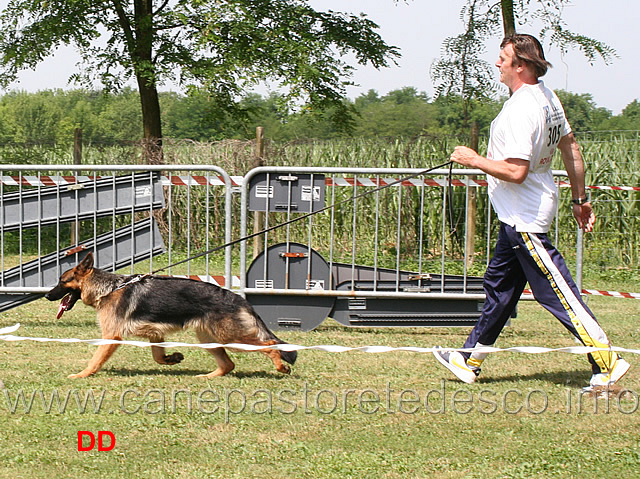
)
(582, 111)
(224, 47)
(461, 70)
(629, 119)
(30, 118)
(631, 116)
(453, 120)
(402, 112)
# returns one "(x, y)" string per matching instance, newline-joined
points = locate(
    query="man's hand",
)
(465, 156)
(585, 216)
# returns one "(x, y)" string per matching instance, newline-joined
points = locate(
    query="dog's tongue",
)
(64, 304)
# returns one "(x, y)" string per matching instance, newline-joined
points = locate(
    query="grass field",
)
(338, 415)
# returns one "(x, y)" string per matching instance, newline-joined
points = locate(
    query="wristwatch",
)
(580, 201)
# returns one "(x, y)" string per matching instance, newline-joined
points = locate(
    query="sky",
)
(418, 28)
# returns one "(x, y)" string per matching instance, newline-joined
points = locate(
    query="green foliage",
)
(629, 119)
(403, 112)
(31, 118)
(461, 71)
(581, 110)
(451, 114)
(50, 117)
(219, 49)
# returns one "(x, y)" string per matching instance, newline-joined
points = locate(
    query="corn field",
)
(612, 160)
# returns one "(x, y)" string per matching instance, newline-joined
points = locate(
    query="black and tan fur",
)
(156, 306)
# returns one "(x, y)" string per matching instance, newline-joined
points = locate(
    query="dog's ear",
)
(86, 264)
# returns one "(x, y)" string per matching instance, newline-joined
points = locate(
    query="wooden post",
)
(258, 216)
(77, 160)
(77, 146)
(472, 204)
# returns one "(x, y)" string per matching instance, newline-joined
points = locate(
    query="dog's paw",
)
(174, 358)
(78, 375)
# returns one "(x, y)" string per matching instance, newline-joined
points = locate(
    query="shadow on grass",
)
(577, 378)
(89, 324)
(127, 372)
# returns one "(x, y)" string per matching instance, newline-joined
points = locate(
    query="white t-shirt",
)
(529, 127)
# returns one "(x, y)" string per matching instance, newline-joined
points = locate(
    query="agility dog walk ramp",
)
(74, 201)
(44, 202)
(112, 250)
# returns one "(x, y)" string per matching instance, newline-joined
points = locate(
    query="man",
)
(524, 195)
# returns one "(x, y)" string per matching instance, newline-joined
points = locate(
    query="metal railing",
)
(126, 215)
(335, 239)
(418, 243)
(365, 239)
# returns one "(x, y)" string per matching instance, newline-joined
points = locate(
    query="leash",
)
(139, 277)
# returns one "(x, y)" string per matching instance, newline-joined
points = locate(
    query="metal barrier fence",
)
(127, 216)
(410, 254)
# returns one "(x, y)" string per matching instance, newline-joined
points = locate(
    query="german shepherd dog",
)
(155, 306)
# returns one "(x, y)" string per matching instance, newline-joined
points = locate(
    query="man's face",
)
(508, 71)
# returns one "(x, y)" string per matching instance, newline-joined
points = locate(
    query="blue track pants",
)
(522, 257)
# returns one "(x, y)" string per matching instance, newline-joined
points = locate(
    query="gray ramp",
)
(31, 207)
(113, 250)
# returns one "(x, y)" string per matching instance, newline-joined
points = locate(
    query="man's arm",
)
(513, 170)
(573, 163)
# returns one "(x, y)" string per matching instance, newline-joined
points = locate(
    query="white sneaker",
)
(457, 364)
(619, 369)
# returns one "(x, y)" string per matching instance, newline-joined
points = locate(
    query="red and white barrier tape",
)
(45, 180)
(566, 184)
(614, 294)
(376, 182)
(199, 180)
(597, 292)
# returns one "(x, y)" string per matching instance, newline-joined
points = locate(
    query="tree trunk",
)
(508, 18)
(145, 76)
(151, 121)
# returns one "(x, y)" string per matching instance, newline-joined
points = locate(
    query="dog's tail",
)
(288, 356)
(267, 335)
